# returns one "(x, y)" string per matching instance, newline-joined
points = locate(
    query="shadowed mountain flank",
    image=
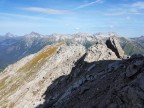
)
(101, 84)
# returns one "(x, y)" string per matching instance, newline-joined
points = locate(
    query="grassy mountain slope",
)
(131, 47)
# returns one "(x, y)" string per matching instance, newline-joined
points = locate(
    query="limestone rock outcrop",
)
(114, 45)
(100, 51)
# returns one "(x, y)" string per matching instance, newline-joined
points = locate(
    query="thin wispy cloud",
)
(114, 13)
(20, 16)
(45, 10)
(135, 8)
(88, 4)
(122, 13)
(138, 5)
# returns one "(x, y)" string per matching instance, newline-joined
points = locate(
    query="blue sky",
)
(69, 16)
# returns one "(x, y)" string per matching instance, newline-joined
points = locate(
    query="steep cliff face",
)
(62, 76)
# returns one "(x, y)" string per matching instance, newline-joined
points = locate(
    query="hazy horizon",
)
(48, 34)
(124, 17)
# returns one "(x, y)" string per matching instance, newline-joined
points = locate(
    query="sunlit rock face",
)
(24, 83)
(100, 51)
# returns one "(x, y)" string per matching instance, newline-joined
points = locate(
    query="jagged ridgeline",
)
(71, 76)
(14, 48)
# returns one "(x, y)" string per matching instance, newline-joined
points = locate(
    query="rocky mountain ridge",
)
(59, 74)
(23, 83)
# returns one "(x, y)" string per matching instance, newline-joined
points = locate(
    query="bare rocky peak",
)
(83, 37)
(114, 45)
(109, 50)
(106, 35)
(98, 52)
(10, 35)
(76, 37)
(33, 35)
(82, 34)
(57, 37)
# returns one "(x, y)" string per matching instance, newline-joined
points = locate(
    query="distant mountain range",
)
(14, 48)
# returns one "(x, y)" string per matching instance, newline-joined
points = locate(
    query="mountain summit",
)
(34, 34)
(9, 35)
